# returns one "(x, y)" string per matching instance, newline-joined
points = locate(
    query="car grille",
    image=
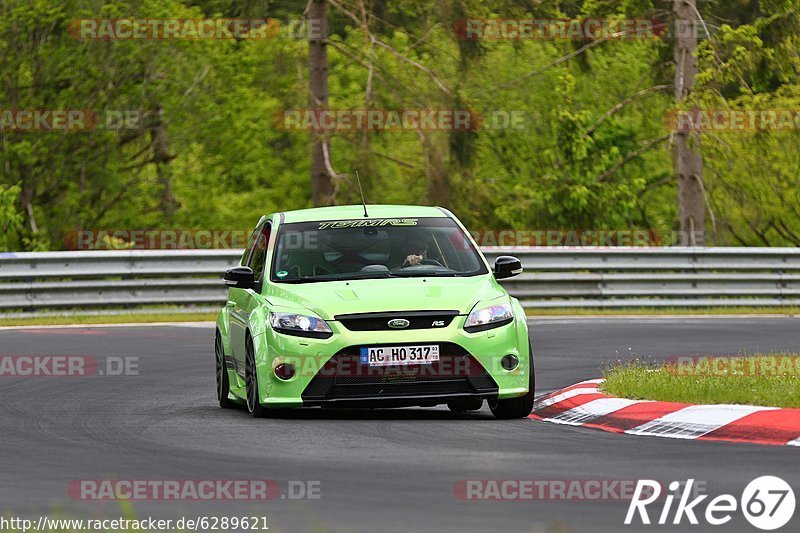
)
(380, 321)
(345, 377)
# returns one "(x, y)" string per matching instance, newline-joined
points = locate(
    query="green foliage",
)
(222, 158)
(10, 218)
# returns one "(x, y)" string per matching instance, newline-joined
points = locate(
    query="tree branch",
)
(326, 157)
(419, 66)
(376, 69)
(647, 145)
(558, 61)
(622, 104)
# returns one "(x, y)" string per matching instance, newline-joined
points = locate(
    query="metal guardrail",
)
(556, 277)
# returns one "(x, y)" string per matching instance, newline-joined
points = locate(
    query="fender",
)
(521, 325)
(223, 323)
(257, 326)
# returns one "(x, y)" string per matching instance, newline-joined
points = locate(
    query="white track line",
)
(591, 411)
(695, 421)
(565, 396)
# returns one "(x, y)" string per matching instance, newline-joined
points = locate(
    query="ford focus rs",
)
(371, 306)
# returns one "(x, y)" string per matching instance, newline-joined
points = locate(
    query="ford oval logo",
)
(398, 323)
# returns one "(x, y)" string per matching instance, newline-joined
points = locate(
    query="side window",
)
(248, 250)
(259, 255)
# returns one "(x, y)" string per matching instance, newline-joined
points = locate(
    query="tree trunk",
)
(321, 186)
(438, 175)
(161, 158)
(688, 161)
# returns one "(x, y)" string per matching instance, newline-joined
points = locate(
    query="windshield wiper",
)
(339, 277)
(372, 275)
(424, 274)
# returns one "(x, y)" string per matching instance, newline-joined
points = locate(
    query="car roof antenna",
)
(363, 202)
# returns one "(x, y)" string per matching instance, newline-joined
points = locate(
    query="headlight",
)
(490, 317)
(299, 325)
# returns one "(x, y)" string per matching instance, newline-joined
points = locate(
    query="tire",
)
(463, 405)
(517, 407)
(223, 383)
(251, 379)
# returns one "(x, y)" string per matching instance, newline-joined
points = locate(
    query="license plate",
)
(399, 355)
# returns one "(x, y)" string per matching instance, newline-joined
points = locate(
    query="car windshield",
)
(373, 248)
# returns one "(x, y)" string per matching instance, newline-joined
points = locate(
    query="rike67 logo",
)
(767, 502)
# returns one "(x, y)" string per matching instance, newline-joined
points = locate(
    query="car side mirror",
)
(240, 278)
(507, 266)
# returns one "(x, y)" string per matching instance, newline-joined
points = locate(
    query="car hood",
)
(331, 298)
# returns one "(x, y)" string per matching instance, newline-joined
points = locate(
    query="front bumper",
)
(345, 380)
(327, 373)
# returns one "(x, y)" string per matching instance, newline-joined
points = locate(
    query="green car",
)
(371, 306)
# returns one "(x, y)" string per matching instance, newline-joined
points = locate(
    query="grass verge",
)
(132, 318)
(767, 380)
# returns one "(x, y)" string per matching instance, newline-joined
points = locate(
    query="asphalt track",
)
(383, 470)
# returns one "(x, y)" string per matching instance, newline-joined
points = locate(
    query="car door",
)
(241, 301)
(235, 299)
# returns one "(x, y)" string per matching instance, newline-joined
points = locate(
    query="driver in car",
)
(417, 251)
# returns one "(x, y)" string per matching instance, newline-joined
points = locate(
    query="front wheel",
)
(251, 381)
(517, 407)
